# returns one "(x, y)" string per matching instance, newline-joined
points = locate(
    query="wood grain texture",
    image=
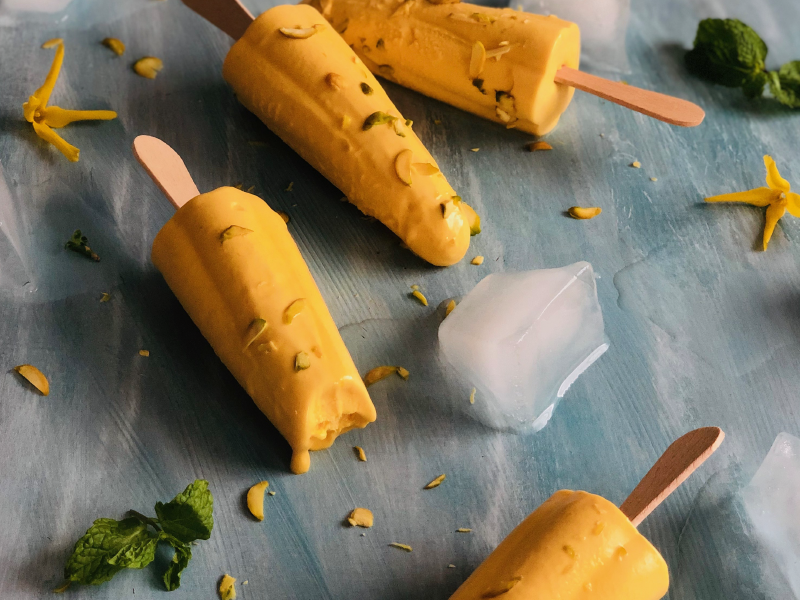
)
(669, 109)
(680, 460)
(166, 168)
(704, 328)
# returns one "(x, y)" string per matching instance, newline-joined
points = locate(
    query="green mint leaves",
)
(730, 53)
(80, 243)
(110, 546)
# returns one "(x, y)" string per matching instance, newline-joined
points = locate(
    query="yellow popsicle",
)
(497, 63)
(234, 267)
(575, 546)
(302, 80)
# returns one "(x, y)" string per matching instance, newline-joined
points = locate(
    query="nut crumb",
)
(105, 297)
(405, 547)
(472, 396)
(362, 456)
(115, 45)
(144, 353)
(581, 212)
(451, 566)
(419, 296)
(654, 179)
(636, 164)
(148, 67)
(537, 146)
(478, 260)
(436, 482)
(463, 530)
(474, 149)
(361, 517)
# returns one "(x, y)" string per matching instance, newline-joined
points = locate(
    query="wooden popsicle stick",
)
(229, 15)
(679, 461)
(166, 169)
(659, 106)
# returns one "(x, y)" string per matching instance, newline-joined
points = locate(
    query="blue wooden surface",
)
(704, 328)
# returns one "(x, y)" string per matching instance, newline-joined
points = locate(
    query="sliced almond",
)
(402, 166)
(300, 33)
(361, 517)
(425, 169)
(478, 60)
(255, 499)
(496, 53)
(35, 377)
(148, 67)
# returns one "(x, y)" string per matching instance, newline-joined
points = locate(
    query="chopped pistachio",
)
(436, 482)
(366, 89)
(294, 309)
(503, 588)
(144, 353)
(289, 187)
(115, 45)
(361, 517)
(472, 396)
(402, 165)
(478, 60)
(419, 296)
(636, 164)
(377, 118)
(404, 373)
(301, 361)
(380, 44)
(426, 169)
(478, 260)
(362, 456)
(227, 588)
(62, 588)
(232, 232)
(300, 33)
(256, 328)
(35, 377)
(148, 67)
(580, 212)
(478, 83)
(105, 297)
(283, 216)
(386, 71)
(80, 243)
(463, 530)
(271, 494)
(255, 499)
(405, 547)
(537, 146)
(473, 218)
(335, 81)
(450, 307)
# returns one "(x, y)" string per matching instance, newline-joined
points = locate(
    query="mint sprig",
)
(730, 53)
(109, 546)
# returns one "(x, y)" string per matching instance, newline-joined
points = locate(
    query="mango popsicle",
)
(575, 546)
(302, 80)
(234, 267)
(497, 63)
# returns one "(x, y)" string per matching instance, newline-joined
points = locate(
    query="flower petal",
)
(56, 117)
(774, 179)
(793, 203)
(774, 213)
(757, 197)
(30, 107)
(48, 135)
(43, 93)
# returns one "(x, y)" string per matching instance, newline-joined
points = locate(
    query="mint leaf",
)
(785, 84)
(728, 52)
(183, 554)
(188, 516)
(80, 243)
(753, 87)
(109, 546)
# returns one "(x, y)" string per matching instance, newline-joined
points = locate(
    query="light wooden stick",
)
(229, 15)
(676, 464)
(659, 106)
(166, 168)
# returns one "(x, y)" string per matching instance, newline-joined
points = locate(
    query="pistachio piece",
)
(405, 547)
(294, 309)
(404, 373)
(636, 164)
(436, 482)
(538, 146)
(380, 44)
(580, 212)
(362, 456)
(35, 377)
(335, 81)
(256, 328)
(366, 89)
(148, 67)
(232, 232)
(105, 297)
(298, 33)
(255, 499)
(301, 361)
(113, 44)
(361, 517)
(402, 165)
(377, 118)
(477, 261)
(472, 218)
(478, 83)
(227, 588)
(425, 169)
(478, 60)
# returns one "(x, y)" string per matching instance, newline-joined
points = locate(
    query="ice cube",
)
(521, 339)
(772, 501)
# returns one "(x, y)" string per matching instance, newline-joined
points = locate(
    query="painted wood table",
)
(704, 327)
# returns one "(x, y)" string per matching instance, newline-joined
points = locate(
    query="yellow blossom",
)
(776, 197)
(45, 118)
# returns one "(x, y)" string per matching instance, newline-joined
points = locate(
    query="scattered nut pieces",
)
(477, 61)
(256, 328)
(366, 89)
(636, 164)
(148, 67)
(377, 118)
(537, 146)
(419, 296)
(105, 297)
(404, 373)
(335, 81)
(301, 361)
(361, 517)
(362, 456)
(463, 530)
(473, 218)
(294, 309)
(474, 149)
(478, 260)
(35, 377)
(580, 212)
(436, 482)
(52, 43)
(450, 307)
(115, 45)
(255, 499)
(300, 33)
(289, 187)
(382, 372)
(451, 566)
(654, 179)
(271, 494)
(405, 547)
(227, 588)
(232, 232)
(402, 165)
(144, 353)
(472, 396)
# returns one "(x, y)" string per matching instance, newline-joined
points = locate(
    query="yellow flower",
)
(776, 197)
(44, 118)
